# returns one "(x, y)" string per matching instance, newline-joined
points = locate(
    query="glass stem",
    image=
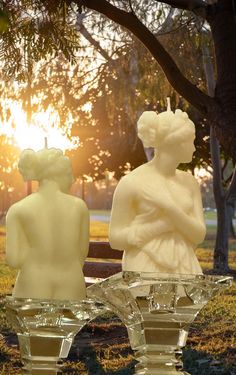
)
(156, 362)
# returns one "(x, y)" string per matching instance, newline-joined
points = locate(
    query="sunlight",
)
(202, 174)
(43, 125)
(87, 107)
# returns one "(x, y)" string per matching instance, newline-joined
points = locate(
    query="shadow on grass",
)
(89, 357)
(102, 348)
(195, 362)
(200, 363)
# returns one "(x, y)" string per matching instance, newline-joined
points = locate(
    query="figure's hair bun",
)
(43, 164)
(28, 165)
(146, 132)
(155, 129)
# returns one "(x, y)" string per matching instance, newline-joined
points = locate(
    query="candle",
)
(157, 216)
(47, 233)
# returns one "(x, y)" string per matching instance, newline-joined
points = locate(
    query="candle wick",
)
(45, 142)
(168, 104)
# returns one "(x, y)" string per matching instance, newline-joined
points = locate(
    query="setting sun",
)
(43, 125)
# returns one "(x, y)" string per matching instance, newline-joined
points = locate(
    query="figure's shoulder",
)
(15, 210)
(129, 184)
(20, 207)
(188, 178)
(78, 202)
(135, 175)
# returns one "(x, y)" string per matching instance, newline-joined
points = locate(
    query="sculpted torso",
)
(157, 216)
(49, 246)
(150, 182)
(47, 241)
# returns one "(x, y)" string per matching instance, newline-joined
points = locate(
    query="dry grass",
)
(98, 230)
(205, 254)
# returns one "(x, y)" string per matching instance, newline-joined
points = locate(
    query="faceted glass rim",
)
(134, 276)
(9, 299)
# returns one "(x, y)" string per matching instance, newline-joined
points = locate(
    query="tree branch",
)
(82, 29)
(180, 83)
(198, 7)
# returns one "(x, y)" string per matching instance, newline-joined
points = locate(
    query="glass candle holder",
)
(46, 329)
(158, 310)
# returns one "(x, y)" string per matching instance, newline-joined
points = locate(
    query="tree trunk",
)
(222, 232)
(222, 229)
(223, 27)
(221, 244)
(231, 211)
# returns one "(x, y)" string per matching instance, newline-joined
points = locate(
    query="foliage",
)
(118, 87)
(114, 75)
(35, 28)
(11, 183)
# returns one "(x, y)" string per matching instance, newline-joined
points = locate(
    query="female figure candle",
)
(48, 231)
(157, 216)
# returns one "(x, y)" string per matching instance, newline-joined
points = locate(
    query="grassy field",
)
(210, 350)
(210, 215)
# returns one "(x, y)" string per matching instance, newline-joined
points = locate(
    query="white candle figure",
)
(48, 231)
(157, 216)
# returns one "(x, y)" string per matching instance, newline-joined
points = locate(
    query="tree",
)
(53, 31)
(123, 86)
(219, 15)
(46, 28)
(11, 183)
(223, 188)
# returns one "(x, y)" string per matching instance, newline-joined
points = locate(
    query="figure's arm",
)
(147, 231)
(124, 232)
(15, 239)
(84, 231)
(192, 227)
(121, 235)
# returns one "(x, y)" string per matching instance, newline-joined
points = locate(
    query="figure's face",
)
(186, 149)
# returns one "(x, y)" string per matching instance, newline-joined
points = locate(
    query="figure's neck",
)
(165, 164)
(48, 186)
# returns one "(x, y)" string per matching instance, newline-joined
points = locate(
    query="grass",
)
(210, 215)
(205, 254)
(98, 230)
(211, 345)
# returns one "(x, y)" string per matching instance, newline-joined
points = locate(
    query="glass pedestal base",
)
(46, 330)
(157, 310)
(165, 362)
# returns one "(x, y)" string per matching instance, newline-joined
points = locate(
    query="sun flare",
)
(43, 125)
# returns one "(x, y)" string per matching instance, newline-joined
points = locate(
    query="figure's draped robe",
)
(166, 252)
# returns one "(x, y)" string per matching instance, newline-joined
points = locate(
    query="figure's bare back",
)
(48, 231)
(52, 233)
(52, 227)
